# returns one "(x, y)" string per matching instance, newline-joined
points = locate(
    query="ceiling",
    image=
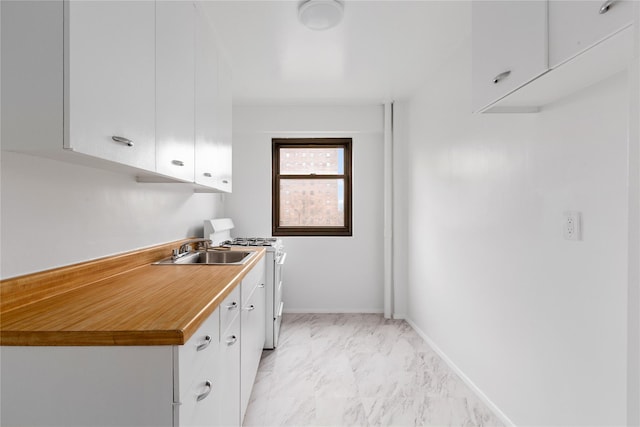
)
(382, 50)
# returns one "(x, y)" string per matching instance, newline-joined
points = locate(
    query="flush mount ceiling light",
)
(320, 14)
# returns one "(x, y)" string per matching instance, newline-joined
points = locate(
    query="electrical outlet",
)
(572, 226)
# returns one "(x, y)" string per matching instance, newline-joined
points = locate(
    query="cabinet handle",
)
(177, 162)
(501, 76)
(606, 6)
(205, 344)
(232, 340)
(206, 393)
(232, 305)
(251, 308)
(123, 140)
(207, 174)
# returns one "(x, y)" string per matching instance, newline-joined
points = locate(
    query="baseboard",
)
(483, 397)
(332, 311)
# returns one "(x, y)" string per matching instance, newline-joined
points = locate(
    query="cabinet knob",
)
(232, 340)
(203, 396)
(606, 6)
(232, 305)
(177, 162)
(122, 140)
(250, 308)
(501, 76)
(224, 181)
(207, 174)
(261, 285)
(205, 344)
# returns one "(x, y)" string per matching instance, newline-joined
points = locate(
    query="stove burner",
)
(254, 241)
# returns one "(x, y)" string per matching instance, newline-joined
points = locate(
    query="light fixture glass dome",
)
(320, 14)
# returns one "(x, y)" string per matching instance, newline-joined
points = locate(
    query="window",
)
(311, 187)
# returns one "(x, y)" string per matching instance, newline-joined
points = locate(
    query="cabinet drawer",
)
(229, 309)
(575, 26)
(199, 352)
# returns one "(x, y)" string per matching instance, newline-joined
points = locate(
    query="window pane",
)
(315, 202)
(319, 161)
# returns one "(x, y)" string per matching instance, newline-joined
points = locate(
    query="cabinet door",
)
(575, 26)
(253, 334)
(175, 56)
(223, 150)
(229, 374)
(110, 83)
(509, 47)
(206, 97)
(199, 386)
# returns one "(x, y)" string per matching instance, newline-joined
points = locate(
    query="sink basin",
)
(211, 258)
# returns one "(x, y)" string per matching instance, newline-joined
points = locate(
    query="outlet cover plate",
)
(572, 225)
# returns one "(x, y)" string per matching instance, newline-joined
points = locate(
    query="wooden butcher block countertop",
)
(120, 300)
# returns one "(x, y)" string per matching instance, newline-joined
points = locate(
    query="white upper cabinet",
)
(509, 47)
(223, 150)
(175, 67)
(525, 58)
(575, 26)
(129, 86)
(110, 83)
(206, 95)
(213, 158)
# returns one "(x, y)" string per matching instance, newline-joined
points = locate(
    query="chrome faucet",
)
(185, 248)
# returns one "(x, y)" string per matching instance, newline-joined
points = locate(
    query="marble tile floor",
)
(358, 370)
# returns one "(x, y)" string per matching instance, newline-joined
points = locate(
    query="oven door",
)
(278, 304)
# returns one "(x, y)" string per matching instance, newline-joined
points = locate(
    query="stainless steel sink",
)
(211, 258)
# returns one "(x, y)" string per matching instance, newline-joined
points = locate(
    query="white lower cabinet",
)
(86, 386)
(206, 382)
(253, 326)
(229, 374)
(196, 398)
(113, 385)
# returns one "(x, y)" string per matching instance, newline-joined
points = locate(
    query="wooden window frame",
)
(347, 176)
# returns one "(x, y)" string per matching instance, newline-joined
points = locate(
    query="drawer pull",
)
(250, 308)
(232, 306)
(206, 393)
(606, 6)
(205, 344)
(122, 140)
(497, 79)
(177, 162)
(232, 340)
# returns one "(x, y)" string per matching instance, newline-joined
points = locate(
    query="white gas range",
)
(219, 232)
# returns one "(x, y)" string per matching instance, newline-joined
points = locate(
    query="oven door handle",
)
(282, 258)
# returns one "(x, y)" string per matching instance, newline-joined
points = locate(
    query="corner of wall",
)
(474, 388)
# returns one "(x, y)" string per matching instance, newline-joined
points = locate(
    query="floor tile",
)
(358, 370)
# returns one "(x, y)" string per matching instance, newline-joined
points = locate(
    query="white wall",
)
(538, 323)
(322, 274)
(55, 213)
